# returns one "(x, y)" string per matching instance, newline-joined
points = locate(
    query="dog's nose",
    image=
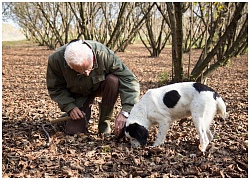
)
(135, 144)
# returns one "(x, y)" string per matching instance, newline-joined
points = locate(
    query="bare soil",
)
(26, 106)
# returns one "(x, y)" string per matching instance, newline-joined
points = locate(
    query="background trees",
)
(225, 34)
(155, 33)
(219, 29)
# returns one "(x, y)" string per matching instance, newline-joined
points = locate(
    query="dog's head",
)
(138, 134)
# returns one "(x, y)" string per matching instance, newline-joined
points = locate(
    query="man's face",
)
(85, 68)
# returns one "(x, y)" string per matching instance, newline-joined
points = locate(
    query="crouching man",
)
(82, 70)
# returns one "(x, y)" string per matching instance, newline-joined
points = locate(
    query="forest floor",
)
(26, 106)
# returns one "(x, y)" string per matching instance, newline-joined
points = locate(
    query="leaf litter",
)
(26, 106)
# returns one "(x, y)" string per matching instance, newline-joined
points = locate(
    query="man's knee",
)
(112, 79)
(110, 90)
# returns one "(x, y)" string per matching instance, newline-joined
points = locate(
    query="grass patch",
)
(163, 78)
(17, 43)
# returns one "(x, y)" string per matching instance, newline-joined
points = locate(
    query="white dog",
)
(168, 103)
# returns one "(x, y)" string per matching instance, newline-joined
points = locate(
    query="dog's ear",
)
(140, 133)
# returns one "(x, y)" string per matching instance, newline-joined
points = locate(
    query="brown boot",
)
(105, 116)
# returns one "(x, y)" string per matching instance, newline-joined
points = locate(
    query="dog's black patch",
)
(171, 98)
(201, 87)
(138, 132)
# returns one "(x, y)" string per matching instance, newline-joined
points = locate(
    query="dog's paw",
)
(202, 149)
(156, 144)
(135, 144)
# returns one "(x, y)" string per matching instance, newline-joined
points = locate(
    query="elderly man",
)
(82, 70)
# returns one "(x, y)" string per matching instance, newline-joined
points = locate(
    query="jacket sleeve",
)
(57, 86)
(129, 85)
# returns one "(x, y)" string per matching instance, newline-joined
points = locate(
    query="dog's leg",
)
(162, 132)
(203, 110)
(203, 128)
(209, 135)
(209, 116)
(204, 141)
(202, 131)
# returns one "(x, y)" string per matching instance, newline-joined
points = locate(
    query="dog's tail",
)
(221, 107)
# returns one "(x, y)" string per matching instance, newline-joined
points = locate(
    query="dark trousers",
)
(109, 90)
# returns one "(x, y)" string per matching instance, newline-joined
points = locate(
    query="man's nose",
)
(86, 73)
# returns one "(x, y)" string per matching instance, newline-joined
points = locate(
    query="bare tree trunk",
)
(190, 38)
(175, 17)
(118, 27)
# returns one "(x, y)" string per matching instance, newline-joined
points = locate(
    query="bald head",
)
(78, 54)
(79, 57)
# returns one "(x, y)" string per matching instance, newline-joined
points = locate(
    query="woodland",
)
(220, 29)
(26, 106)
(162, 43)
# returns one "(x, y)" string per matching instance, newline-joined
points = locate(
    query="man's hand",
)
(119, 124)
(76, 114)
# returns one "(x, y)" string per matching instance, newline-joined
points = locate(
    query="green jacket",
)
(63, 82)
